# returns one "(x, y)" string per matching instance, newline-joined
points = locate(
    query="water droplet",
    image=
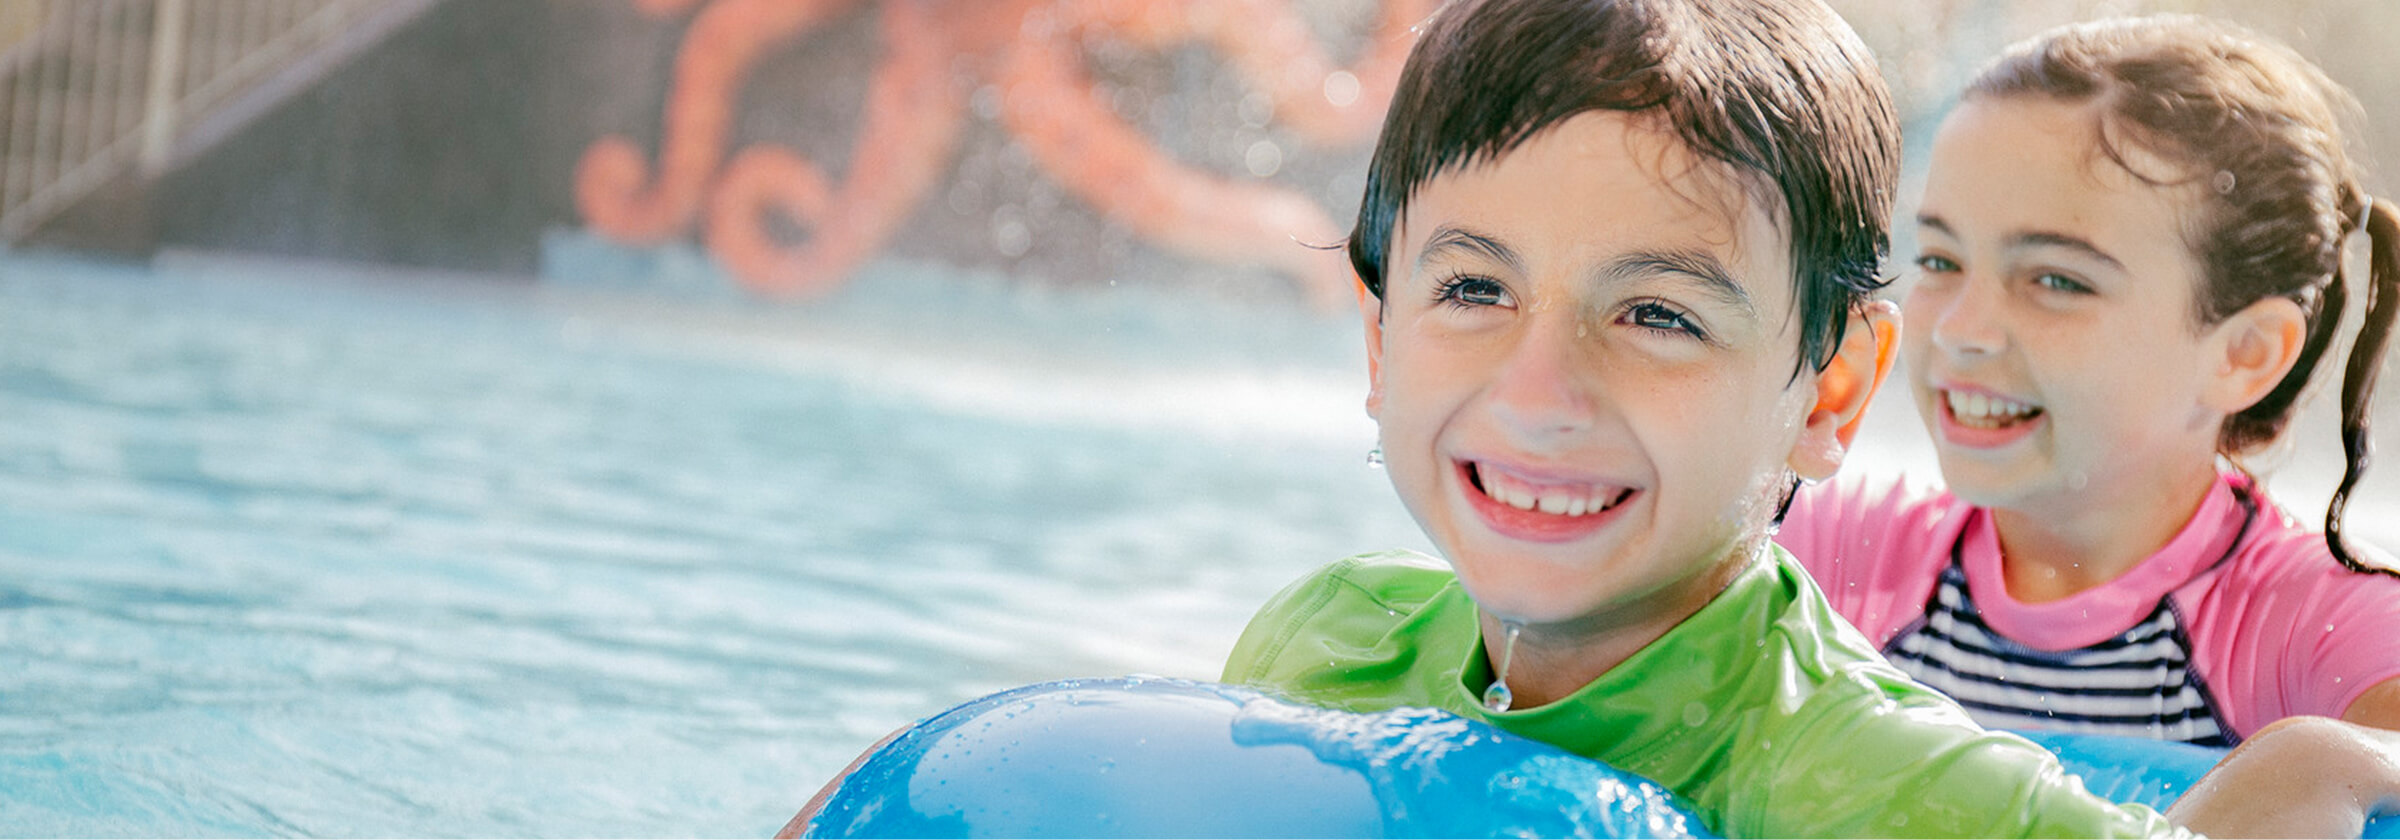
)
(1264, 158)
(1497, 697)
(1011, 236)
(1695, 713)
(1342, 89)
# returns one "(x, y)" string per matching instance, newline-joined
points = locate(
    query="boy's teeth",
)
(1551, 501)
(1986, 411)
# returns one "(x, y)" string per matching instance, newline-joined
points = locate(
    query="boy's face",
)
(1583, 372)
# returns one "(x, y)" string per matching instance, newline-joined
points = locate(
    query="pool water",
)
(292, 549)
(303, 550)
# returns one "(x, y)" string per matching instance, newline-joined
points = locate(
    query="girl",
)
(2131, 242)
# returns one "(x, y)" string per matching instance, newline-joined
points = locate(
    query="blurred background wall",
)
(779, 144)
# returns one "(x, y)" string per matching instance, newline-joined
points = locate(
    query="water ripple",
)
(317, 558)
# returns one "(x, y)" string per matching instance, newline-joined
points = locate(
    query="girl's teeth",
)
(1986, 411)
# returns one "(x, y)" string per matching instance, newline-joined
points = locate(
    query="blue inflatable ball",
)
(2153, 773)
(1146, 757)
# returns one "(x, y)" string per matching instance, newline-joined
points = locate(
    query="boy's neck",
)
(1553, 661)
(2075, 544)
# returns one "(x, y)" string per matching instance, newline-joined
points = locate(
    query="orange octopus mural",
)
(935, 53)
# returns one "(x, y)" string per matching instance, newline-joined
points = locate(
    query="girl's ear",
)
(2248, 353)
(1370, 309)
(1844, 388)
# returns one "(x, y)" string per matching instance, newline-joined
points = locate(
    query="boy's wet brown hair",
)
(2256, 132)
(1782, 91)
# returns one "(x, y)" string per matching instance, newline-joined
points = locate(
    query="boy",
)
(1618, 257)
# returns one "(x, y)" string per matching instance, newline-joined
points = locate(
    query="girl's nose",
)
(1966, 320)
(1542, 388)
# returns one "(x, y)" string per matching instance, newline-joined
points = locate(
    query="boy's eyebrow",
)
(1702, 267)
(2034, 239)
(1453, 238)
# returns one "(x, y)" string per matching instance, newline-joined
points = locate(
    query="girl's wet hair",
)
(2256, 132)
(1782, 91)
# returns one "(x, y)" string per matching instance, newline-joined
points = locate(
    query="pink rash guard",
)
(2243, 618)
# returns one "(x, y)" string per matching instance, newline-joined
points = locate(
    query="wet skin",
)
(1583, 372)
(2053, 347)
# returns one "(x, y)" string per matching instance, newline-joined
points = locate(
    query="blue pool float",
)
(1155, 757)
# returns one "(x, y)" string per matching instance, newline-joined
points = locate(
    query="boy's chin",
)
(1536, 593)
(1532, 597)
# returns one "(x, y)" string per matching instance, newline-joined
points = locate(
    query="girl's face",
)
(2051, 341)
(1583, 373)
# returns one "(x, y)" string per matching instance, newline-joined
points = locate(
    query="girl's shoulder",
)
(1875, 543)
(1884, 517)
(2284, 628)
(2284, 552)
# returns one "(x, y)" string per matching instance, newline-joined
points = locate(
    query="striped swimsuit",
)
(2241, 619)
(2139, 684)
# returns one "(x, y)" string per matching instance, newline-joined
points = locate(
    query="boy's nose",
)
(1541, 389)
(1966, 320)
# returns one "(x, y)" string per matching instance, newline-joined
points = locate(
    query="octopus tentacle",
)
(614, 187)
(1276, 53)
(913, 117)
(1050, 107)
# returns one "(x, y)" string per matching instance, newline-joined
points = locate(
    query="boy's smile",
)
(1539, 510)
(1583, 374)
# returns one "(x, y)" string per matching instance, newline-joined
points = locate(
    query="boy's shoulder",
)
(1841, 743)
(1394, 581)
(1394, 577)
(1372, 608)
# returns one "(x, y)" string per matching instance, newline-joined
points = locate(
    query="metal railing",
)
(93, 90)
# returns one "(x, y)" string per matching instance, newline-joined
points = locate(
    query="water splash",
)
(1497, 697)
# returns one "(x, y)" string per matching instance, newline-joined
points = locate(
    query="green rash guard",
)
(1765, 711)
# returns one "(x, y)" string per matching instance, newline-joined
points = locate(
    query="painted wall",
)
(1068, 142)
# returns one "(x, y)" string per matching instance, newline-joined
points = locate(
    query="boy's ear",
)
(1845, 387)
(2250, 351)
(1370, 309)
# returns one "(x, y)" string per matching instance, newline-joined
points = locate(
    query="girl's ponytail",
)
(2366, 364)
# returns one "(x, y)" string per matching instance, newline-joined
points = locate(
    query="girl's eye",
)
(2061, 283)
(1465, 291)
(1936, 264)
(1657, 315)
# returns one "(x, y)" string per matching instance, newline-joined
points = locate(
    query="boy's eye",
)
(1936, 264)
(2057, 282)
(1657, 315)
(1464, 291)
